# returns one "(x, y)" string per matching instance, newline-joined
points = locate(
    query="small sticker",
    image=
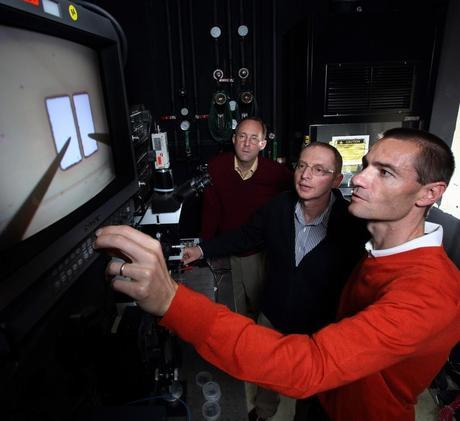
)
(73, 12)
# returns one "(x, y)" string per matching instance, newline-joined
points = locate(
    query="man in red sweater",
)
(399, 314)
(242, 182)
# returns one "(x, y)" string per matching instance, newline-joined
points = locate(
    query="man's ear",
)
(234, 139)
(262, 144)
(338, 179)
(430, 193)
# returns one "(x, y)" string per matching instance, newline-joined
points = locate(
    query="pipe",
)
(229, 34)
(195, 89)
(181, 45)
(242, 38)
(254, 49)
(171, 71)
(216, 40)
(275, 85)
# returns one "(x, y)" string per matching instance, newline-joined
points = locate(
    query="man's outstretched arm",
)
(295, 365)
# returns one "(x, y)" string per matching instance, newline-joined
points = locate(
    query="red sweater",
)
(400, 316)
(230, 200)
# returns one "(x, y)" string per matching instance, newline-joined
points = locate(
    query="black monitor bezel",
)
(25, 262)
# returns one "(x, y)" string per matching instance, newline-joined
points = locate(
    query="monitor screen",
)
(66, 156)
(55, 151)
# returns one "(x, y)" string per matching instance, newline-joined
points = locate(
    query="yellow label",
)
(73, 12)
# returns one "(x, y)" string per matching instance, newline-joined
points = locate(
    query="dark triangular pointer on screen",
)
(15, 229)
(100, 137)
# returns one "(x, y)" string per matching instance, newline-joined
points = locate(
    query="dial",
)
(185, 125)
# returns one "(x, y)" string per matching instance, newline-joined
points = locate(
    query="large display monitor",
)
(66, 159)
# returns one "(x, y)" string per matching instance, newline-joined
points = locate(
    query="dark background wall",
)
(171, 50)
(171, 57)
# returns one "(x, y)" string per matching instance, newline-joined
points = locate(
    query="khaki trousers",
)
(248, 274)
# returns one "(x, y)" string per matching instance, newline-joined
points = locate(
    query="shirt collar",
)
(323, 218)
(431, 238)
(246, 174)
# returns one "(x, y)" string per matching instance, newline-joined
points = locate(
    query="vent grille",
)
(355, 88)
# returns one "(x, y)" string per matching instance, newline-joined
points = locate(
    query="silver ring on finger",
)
(122, 268)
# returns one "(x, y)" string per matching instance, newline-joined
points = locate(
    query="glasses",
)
(316, 170)
(242, 137)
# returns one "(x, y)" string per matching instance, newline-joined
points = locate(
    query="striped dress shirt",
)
(309, 235)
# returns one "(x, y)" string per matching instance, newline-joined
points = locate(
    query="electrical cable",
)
(220, 123)
(144, 211)
(217, 274)
(275, 85)
(242, 55)
(229, 35)
(254, 49)
(195, 88)
(181, 45)
(171, 71)
(216, 40)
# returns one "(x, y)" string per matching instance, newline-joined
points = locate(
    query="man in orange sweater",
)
(399, 314)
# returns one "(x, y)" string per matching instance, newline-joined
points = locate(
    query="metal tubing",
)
(195, 89)
(171, 71)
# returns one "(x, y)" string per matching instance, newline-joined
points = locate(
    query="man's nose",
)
(307, 172)
(358, 180)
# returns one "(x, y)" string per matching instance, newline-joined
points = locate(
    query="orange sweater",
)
(400, 316)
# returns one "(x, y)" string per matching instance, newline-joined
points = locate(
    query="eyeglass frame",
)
(242, 137)
(316, 170)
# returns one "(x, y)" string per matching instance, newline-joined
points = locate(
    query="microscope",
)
(163, 216)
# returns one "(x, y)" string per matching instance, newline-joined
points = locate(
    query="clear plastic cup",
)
(211, 391)
(203, 377)
(210, 411)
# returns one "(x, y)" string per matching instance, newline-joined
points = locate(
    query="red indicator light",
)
(34, 2)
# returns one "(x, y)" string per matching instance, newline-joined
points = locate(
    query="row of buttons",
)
(73, 263)
(81, 256)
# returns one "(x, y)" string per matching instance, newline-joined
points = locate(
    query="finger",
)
(129, 232)
(140, 281)
(126, 287)
(185, 256)
(136, 272)
(114, 267)
(190, 259)
(133, 251)
(142, 240)
(115, 254)
(122, 246)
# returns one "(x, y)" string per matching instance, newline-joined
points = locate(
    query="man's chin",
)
(357, 210)
(306, 196)
(246, 158)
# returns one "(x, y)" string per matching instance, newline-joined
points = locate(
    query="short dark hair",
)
(435, 160)
(337, 157)
(257, 120)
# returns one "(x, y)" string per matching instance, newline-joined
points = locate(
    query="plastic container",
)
(210, 411)
(203, 377)
(211, 391)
